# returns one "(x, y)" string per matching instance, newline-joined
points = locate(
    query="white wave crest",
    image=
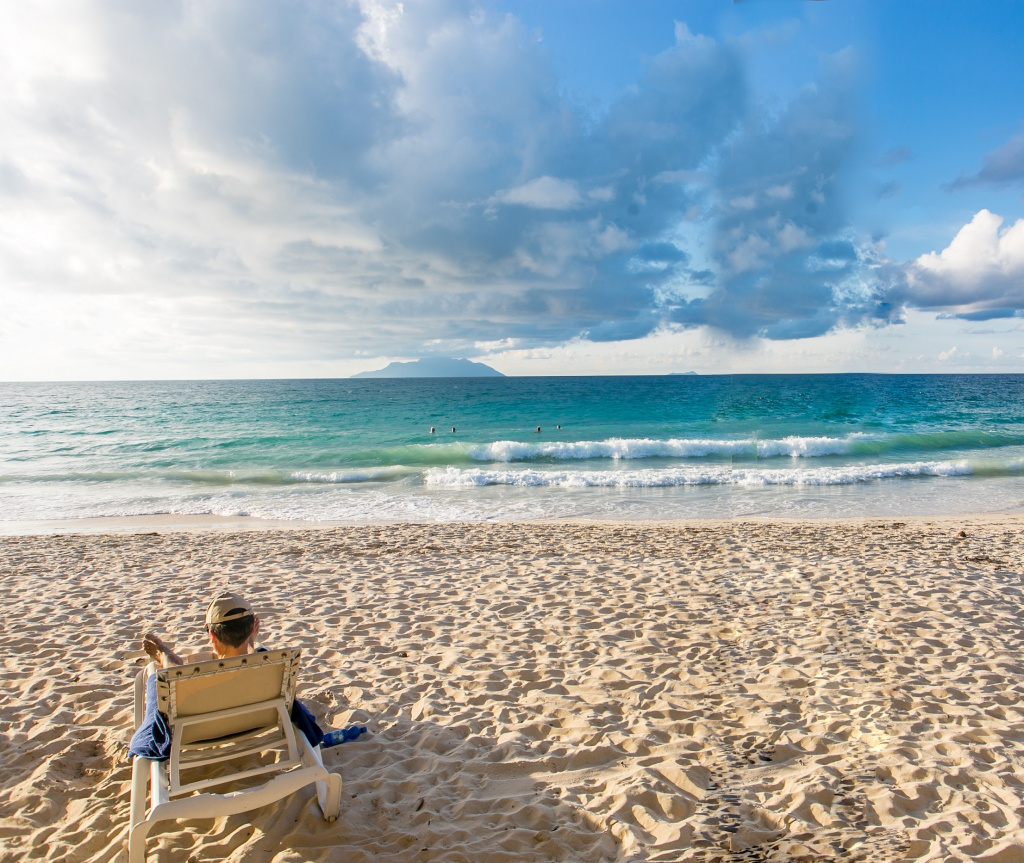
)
(807, 447)
(708, 475)
(633, 448)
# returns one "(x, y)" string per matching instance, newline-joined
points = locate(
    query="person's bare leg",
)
(160, 651)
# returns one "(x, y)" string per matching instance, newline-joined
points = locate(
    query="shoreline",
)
(173, 523)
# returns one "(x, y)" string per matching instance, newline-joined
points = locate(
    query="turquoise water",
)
(628, 447)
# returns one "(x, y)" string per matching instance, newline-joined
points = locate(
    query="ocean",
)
(623, 448)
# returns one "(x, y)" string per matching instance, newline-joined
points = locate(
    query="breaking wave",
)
(704, 475)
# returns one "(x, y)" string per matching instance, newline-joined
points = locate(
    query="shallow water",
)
(627, 447)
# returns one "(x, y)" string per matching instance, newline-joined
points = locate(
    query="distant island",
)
(681, 373)
(434, 367)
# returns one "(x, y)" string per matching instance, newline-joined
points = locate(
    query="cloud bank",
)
(358, 177)
(788, 264)
(374, 178)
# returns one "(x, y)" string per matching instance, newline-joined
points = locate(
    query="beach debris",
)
(962, 534)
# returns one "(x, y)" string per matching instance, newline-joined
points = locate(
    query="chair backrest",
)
(222, 686)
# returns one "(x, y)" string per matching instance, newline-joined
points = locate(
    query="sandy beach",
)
(757, 691)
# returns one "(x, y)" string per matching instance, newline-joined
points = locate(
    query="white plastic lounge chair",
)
(218, 712)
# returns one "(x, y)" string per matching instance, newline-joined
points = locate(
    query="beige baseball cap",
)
(227, 606)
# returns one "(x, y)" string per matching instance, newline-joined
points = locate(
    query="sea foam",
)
(452, 477)
(636, 448)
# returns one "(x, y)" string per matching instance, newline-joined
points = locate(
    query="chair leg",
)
(328, 791)
(137, 807)
(137, 841)
(328, 795)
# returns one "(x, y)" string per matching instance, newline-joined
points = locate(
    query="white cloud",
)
(686, 38)
(602, 193)
(791, 237)
(544, 193)
(982, 266)
(750, 253)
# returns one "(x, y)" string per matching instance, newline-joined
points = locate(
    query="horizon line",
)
(688, 374)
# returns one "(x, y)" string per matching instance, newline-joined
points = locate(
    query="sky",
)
(269, 189)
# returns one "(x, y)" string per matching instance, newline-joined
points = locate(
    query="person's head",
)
(230, 620)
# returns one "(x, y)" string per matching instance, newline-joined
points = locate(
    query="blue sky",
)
(272, 189)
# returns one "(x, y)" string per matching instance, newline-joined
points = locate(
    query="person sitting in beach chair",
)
(232, 627)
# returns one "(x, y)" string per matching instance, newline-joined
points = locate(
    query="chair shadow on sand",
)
(414, 791)
(427, 788)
